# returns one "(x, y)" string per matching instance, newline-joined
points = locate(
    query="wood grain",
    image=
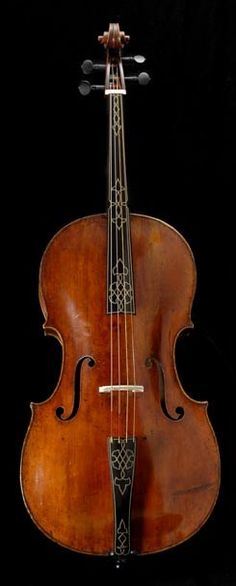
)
(65, 472)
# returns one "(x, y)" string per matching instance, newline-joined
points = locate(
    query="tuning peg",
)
(143, 78)
(85, 87)
(88, 66)
(136, 58)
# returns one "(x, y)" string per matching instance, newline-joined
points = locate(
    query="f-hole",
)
(77, 383)
(149, 362)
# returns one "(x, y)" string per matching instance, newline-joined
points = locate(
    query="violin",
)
(119, 460)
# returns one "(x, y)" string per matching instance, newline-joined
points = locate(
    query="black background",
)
(180, 155)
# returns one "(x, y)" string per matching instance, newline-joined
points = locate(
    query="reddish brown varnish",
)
(65, 472)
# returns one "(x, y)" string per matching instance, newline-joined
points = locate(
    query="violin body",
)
(65, 473)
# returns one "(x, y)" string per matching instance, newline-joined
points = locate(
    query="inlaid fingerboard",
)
(120, 286)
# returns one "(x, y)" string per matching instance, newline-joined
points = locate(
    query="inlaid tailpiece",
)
(122, 462)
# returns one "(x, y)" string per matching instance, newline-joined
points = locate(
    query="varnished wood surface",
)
(65, 471)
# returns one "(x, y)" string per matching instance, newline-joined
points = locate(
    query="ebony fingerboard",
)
(120, 287)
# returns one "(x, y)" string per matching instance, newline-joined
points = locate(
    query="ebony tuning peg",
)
(85, 87)
(136, 58)
(88, 66)
(143, 78)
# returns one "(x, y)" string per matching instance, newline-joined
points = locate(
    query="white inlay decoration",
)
(122, 460)
(116, 114)
(118, 201)
(120, 291)
(122, 538)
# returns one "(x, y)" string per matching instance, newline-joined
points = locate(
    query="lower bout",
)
(76, 505)
(179, 515)
(157, 521)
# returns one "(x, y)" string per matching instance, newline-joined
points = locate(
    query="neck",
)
(120, 293)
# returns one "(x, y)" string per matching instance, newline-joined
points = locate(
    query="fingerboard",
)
(120, 285)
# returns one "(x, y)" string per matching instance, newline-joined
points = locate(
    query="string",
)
(132, 340)
(110, 252)
(124, 221)
(131, 282)
(118, 183)
(117, 257)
